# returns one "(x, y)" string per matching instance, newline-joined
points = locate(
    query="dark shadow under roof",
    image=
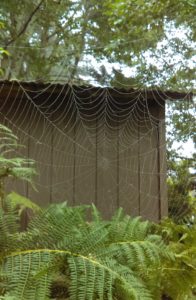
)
(42, 90)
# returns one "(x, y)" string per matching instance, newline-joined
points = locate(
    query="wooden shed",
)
(91, 144)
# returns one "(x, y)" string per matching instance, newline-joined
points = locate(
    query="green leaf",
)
(23, 202)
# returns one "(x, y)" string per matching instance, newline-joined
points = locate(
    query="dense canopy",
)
(107, 42)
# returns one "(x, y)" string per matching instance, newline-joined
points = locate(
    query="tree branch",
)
(23, 29)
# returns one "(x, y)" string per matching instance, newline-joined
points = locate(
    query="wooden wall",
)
(90, 147)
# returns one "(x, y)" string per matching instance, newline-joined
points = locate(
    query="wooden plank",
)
(107, 170)
(149, 177)
(63, 156)
(40, 149)
(85, 163)
(129, 167)
(162, 163)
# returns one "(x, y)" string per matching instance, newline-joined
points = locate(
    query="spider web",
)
(91, 144)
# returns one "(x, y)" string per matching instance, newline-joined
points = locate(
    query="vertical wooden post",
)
(129, 187)
(162, 162)
(40, 149)
(107, 161)
(63, 155)
(149, 169)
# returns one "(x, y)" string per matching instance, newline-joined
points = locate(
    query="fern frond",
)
(28, 275)
(137, 255)
(91, 278)
(96, 216)
(56, 227)
(8, 140)
(128, 228)
(16, 167)
(8, 228)
(22, 202)
(93, 239)
(118, 259)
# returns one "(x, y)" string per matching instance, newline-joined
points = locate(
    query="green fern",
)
(178, 276)
(99, 265)
(28, 275)
(10, 167)
(15, 167)
(94, 263)
(29, 272)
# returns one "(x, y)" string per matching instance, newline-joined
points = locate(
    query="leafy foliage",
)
(14, 167)
(2, 51)
(180, 128)
(181, 273)
(182, 205)
(63, 255)
(58, 37)
(21, 203)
